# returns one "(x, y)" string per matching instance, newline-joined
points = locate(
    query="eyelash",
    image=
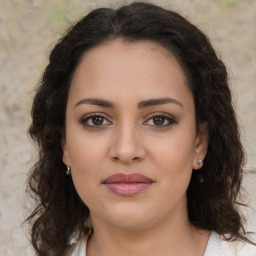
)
(84, 120)
(170, 120)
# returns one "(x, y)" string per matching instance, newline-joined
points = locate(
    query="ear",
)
(201, 145)
(65, 154)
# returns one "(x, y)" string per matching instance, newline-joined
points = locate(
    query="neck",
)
(177, 238)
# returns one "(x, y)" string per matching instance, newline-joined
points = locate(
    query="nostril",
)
(126, 151)
(127, 159)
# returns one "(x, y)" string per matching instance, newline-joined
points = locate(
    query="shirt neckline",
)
(213, 247)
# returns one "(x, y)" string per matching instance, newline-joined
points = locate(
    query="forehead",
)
(124, 51)
(118, 66)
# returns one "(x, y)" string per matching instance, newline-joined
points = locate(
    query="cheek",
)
(85, 150)
(85, 177)
(174, 161)
(85, 156)
(176, 151)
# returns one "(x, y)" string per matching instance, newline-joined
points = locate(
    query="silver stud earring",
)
(68, 171)
(200, 162)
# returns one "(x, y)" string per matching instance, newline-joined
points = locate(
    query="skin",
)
(129, 139)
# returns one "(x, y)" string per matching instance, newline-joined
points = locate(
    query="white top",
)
(216, 247)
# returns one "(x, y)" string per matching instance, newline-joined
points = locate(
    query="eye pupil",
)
(158, 120)
(97, 120)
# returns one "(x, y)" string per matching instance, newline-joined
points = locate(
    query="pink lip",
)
(127, 184)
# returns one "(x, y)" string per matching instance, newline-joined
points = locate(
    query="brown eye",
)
(159, 120)
(97, 120)
(94, 121)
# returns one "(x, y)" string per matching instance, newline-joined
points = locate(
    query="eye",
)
(94, 120)
(160, 121)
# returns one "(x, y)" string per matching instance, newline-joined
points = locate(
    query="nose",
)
(127, 145)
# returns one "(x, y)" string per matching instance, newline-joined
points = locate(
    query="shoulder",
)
(239, 248)
(227, 248)
(78, 249)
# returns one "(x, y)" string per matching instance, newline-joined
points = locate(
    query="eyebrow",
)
(141, 104)
(96, 101)
(161, 101)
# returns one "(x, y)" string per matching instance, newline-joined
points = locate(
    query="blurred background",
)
(28, 31)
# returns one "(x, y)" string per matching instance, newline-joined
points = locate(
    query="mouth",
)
(127, 184)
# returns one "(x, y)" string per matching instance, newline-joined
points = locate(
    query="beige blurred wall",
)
(28, 30)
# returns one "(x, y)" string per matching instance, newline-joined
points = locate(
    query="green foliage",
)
(229, 3)
(58, 16)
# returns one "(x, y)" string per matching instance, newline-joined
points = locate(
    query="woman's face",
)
(131, 138)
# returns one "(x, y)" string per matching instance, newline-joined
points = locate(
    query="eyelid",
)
(169, 117)
(163, 114)
(86, 117)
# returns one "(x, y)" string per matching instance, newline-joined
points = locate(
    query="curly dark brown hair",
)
(213, 192)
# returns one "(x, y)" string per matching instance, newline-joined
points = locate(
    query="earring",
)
(68, 171)
(200, 177)
(200, 161)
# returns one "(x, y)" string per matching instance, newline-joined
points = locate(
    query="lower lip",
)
(127, 189)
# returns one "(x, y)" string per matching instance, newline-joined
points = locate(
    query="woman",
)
(139, 148)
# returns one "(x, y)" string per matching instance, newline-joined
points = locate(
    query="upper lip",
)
(127, 178)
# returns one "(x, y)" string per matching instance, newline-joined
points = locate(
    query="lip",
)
(127, 184)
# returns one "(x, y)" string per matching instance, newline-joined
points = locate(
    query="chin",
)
(131, 217)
